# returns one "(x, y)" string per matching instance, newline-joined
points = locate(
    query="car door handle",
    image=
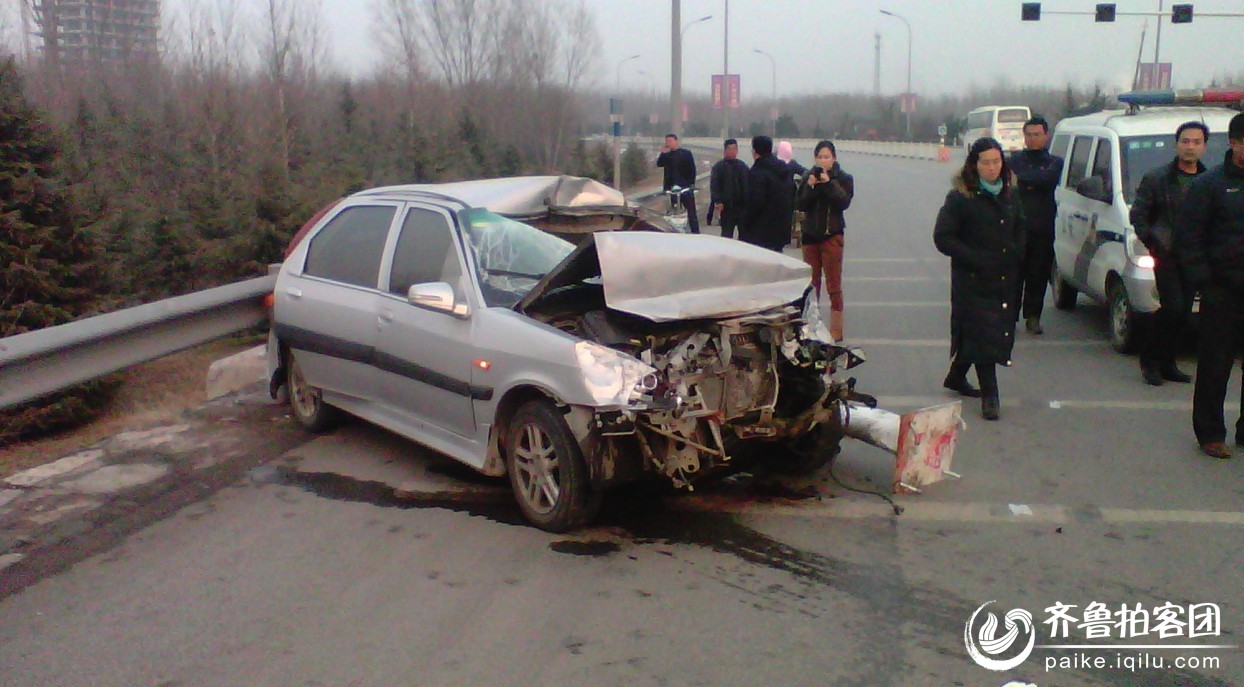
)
(386, 316)
(293, 292)
(1079, 216)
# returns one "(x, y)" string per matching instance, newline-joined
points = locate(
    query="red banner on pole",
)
(719, 95)
(735, 91)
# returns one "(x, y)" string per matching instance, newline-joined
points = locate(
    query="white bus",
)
(1003, 122)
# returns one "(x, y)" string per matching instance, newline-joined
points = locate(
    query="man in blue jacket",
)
(1037, 172)
(679, 166)
(1210, 242)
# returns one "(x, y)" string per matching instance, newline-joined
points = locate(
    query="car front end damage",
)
(688, 401)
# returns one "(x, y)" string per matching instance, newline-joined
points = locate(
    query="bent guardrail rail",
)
(48, 360)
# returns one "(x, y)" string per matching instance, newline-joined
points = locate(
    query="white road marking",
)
(944, 343)
(902, 304)
(851, 508)
(1064, 404)
(896, 279)
(850, 261)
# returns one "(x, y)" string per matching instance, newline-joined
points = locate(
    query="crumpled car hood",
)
(668, 277)
(530, 197)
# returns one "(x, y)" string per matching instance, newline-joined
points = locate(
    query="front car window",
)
(1103, 167)
(425, 253)
(511, 257)
(1142, 153)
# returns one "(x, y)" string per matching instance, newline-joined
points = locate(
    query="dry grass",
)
(150, 394)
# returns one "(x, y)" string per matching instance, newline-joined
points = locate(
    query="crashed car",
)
(542, 328)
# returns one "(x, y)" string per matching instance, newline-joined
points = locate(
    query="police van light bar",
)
(1181, 96)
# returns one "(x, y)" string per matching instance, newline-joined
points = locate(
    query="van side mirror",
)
(1094, 188)
(438, 296)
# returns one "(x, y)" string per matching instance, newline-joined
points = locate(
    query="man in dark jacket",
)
(1209, 240)
(1154, 214)
(728, 188)
(1037, 173)
(679, 166)
(770, 205)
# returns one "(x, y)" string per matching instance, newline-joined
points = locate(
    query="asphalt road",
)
(358, 559)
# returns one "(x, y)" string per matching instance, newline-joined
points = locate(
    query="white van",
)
(1096, 252)
(1005, 123)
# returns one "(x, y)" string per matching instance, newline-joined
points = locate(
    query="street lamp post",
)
(908, 96)
(773, 107)
(676, 67)
(617, 126)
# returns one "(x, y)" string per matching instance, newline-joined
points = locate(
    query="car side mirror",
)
(1094, 188)
(438, 296)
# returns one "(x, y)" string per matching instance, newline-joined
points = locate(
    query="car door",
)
(1106, 233)
(1072, 235)
(327, 305)
(425, 356)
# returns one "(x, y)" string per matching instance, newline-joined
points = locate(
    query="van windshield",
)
(1143, 153)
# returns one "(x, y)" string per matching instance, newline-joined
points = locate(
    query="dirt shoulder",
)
(150, 394)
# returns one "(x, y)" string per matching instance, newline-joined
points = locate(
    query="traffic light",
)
(1031, 11)
(1105, 11)
(1181, 14)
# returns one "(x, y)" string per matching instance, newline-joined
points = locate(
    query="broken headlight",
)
(611, 377)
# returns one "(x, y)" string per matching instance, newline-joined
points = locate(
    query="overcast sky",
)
(827, 45)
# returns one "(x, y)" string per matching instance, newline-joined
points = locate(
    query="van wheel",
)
(547, 472)
(307, 402)
(1124, 334)
(1064, 294)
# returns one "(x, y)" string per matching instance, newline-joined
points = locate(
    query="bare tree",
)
(293, 47)
(461, 37)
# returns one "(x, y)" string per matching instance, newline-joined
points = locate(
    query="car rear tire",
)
(547, 471)
(306, 402)
(1064, 294)
(1124, 333)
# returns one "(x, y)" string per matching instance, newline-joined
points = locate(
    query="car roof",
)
(528, 196)
(1150, 120)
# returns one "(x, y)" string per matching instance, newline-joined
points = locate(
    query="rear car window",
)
(348, 249)
(1060, 145)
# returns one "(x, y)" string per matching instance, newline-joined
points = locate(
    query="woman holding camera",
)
(978, 227)
(825, 193)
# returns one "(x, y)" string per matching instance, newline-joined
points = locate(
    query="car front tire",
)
(547, 471)
(1124, 334)
(306, 402)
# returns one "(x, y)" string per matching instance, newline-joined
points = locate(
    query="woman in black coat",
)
(978, 227)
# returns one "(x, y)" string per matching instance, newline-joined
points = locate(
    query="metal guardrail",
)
(48, 360)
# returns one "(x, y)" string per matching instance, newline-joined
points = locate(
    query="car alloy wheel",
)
(547, 472)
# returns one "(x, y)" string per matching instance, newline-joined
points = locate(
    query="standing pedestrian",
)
(679, 166)
(978, 227)
(769, 207)
(1209, 241)
(1036, 173)
(786, 153)
(825, 193)
(1154, 215)
(728, 188)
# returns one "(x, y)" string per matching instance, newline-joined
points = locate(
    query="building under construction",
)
(92, 31)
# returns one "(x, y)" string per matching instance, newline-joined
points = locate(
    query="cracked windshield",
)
(510, 256)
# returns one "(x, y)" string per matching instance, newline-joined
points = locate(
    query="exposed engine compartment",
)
(718, 384)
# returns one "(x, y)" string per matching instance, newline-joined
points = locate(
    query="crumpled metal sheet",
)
(527, 197)
(668, 277)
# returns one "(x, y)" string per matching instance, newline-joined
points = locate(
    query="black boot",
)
(1150, 372)
(957, 381)
(991, 408)
(1171, 373)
